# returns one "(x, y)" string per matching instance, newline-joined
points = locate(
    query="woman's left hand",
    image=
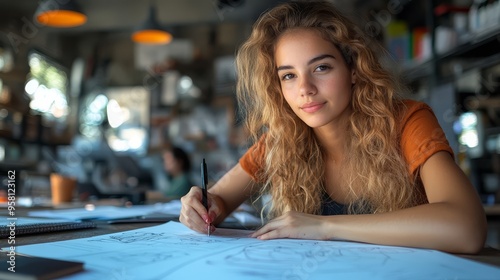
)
(294, 225)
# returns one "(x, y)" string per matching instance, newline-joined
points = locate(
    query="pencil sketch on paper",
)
(269, 259)
(139, 257)
(131, 237)
(172, 251)
(276, 258)
(192, 238)
(219, 237)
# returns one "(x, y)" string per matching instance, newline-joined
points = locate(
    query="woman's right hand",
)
(193, 213)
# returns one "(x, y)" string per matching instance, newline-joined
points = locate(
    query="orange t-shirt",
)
(421, 137)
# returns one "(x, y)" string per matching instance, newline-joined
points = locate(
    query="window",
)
(128, 119)
(120, 115)
(47, 86)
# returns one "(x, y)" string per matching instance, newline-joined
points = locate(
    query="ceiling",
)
(121, 15)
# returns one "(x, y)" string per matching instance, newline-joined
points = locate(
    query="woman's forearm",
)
(439, 226)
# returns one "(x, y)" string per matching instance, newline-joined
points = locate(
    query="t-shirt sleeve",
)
(421, 136)
(253, 160)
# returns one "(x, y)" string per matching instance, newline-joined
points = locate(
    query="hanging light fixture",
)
(150, 31)
(60, 14)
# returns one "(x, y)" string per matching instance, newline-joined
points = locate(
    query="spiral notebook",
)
(25, 225)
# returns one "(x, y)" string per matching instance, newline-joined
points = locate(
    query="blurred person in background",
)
(177, 165)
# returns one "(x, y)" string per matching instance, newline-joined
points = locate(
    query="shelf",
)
(477, 37)
(483, 62)
(479, 50)
(17, 165)
(480, 44)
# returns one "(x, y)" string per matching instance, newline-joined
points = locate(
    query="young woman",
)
(342, 156)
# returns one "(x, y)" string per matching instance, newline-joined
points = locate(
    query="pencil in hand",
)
(204, 180)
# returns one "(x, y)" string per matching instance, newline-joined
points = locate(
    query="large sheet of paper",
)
(110, 212)
(168, 209)
(172, 251)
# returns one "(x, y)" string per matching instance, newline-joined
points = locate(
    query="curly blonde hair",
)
(293, 170)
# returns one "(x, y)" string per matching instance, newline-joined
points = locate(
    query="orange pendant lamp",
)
(61, 14)
(150, 31)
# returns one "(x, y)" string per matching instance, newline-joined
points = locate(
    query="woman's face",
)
(171, 164)
(315, 80)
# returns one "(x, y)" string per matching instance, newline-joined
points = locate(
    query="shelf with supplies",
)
(447, 39)
(478, 50)
(469, 44)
